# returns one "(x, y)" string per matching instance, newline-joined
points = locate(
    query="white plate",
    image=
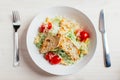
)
(38, 58)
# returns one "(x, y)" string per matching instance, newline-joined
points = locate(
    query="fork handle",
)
(16, 50)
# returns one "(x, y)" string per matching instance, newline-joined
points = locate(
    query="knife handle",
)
(106, 50)
(107, 61)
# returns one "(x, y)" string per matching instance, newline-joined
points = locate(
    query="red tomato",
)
(49, 56)
(42, 28)
(52, 58)
(49, 25)
(83, 35)
(55, 60)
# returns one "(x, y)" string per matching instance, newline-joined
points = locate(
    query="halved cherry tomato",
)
(42, 28)
(49, 25)
(52, 58)
(49, 56)
(82, 35)
(55, 60)
(45, 27)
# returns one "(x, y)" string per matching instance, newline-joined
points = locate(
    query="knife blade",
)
(102, 29)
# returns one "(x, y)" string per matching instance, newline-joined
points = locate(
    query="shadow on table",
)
(26, 57)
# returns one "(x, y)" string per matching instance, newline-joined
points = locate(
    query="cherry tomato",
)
(52, 58)
(55, 60)
(83, 35)
(49, 56)
(42, 28)
(49, 25)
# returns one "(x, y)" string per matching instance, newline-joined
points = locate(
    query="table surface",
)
(94, 70)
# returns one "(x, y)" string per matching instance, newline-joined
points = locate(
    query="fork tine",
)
(16, 16)
(13, 13)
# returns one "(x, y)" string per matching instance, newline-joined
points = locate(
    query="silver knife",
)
(104, 39)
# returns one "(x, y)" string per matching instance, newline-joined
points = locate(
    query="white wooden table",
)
(28, 9)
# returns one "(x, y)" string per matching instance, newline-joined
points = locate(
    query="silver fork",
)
(16, 25)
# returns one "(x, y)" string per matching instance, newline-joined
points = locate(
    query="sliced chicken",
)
(70, 49)
(49, 44)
